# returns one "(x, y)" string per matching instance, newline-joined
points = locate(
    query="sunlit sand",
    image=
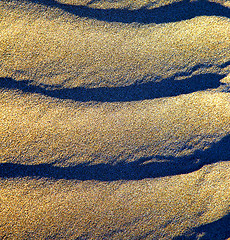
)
(114, 119)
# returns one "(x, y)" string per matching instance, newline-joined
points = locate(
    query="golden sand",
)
(114, 162)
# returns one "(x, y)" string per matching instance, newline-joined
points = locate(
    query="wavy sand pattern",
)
(115, 119)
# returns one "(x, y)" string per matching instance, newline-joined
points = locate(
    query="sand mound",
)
(114, 119)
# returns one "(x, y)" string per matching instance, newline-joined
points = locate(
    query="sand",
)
(114, 119)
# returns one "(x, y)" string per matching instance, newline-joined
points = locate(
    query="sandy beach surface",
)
(115, 119)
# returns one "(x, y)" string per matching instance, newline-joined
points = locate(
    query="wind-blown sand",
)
(114, 119)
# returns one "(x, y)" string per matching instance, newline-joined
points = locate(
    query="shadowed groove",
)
(150, 90)
(174, 12)
(146, 167)
(218, 230)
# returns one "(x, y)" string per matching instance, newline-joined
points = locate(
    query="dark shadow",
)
(177, 11)
(148, 167)
(218, 230)
(224, 65)
(139, 91)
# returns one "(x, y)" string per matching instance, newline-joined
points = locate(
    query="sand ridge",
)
(114, 119)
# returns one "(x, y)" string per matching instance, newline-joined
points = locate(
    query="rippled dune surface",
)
(114, 119)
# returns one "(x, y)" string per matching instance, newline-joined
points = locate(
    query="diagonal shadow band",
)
(174, 12)
(218, 230)
(148, 167)
(150, 90)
